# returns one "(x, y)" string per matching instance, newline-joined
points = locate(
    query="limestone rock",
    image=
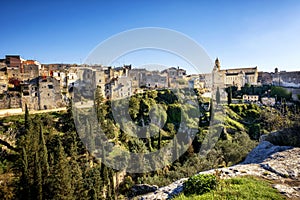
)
(281, 164)
(140, 189)
(263, 151)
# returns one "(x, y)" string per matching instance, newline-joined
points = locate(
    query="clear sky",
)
(241, 33)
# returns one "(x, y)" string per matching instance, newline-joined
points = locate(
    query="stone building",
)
(175, 77)
(280, 78)
(250, 98)
(30, 94)
(155, 80)
(195, 82)
(264, 78)
(29, 70)
(286, 79)
(14, 99)
(49, 94)
(11, 99)
(137, 76)
(20, 70)
(13, 63)
(142, 78)
(120, 87)
(229, 77)
(3, 78)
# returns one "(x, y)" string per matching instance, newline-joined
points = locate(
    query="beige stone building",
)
(223, 78)
(3, 78)
(250, 98)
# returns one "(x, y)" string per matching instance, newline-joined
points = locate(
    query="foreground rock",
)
(142, 189)
(281, 164)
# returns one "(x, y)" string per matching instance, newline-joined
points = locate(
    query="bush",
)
(239, 188)
(200, 184)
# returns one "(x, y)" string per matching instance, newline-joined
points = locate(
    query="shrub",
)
(200, 184)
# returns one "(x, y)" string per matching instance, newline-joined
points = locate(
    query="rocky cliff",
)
(281, 164)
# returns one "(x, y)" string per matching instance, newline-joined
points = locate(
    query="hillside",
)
(43, 154)
(278, 164)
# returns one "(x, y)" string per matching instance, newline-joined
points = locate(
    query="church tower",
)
(217, 65)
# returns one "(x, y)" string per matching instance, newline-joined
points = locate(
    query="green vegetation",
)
(49, 159)
(199, 184)
(229, 95)
(280, 93)
(238, 188)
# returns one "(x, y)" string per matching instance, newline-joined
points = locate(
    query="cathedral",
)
(238, 77)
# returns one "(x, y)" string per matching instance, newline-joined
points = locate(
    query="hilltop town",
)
(49, 86)
(63, 151)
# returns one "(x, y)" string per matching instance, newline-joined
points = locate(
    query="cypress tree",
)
(106, 181)
(43, 153)
(229, 99)
(100, 106)
(76, 176)
(68, 120)
(97, 182)
(92, 194)
(112, 185)
(211, 110)
(159, 139)
(175, 153)
(218, 96)
(24, 180)
(60, 180)
(27, 122)
(38, 182)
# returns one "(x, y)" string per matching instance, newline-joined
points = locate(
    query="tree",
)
(229, 97)
(43, 154)
(211, 110)
(27, 120)
(175, 152)
(159, 140)
(218, 96)
(280, 93)
(100, 106)
(60, 180)
(112, 191)
(24, 180)
(38, 182)
(76, 176)
(68, 120)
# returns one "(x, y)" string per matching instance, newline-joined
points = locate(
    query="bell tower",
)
(217, 65)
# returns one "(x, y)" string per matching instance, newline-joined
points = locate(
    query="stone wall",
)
(49, 94)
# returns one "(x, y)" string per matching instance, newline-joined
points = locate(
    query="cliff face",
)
(281, 164)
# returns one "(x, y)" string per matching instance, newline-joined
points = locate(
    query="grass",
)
(238, 188)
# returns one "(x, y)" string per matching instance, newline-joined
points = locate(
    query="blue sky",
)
(241, 33)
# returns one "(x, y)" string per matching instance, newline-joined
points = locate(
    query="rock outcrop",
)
(143, 189)
(281, 164)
